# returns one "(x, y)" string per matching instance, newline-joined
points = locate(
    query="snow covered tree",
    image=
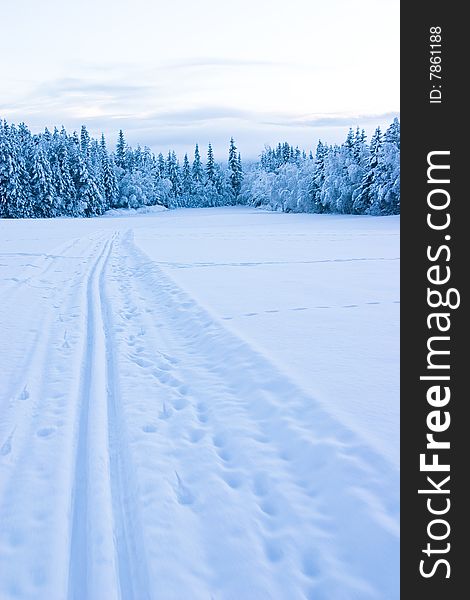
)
(366, 192)
(387, 185)
(318, 179)
(15, 192)
(52, 174)
(84, 142)
(198, 170)
(110, 183)
(186, 182)
(174, 175)
(121, 151)
(42, 186)
(210, 165)
(235, 168)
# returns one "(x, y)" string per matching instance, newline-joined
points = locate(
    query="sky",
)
(173, 73)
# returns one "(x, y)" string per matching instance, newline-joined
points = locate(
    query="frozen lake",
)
(200, 404)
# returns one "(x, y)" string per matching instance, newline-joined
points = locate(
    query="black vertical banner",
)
(435, 354)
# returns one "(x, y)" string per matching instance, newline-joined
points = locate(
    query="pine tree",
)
(198, 170)
(121, 151)
(15, 199)
(318, 178)
(61, 177)
(174, 175)
(210, 165)
(387, 185)
(95, 171)
(42, 186)
(235, 168)
(110, 183)
(84, 142)
(186, 182)
(161, 166)
(366, 193)
(89, 200)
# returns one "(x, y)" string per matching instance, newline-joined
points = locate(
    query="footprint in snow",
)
(224, 454)
(165, 413)
(274, 550)
(309, 565)
(261, 485)
(149, 428)
(164, 367)
(269, 507)
(142, 362)
(180, 403)
(196, 435)
(183, 493)
(6, 447)
(233, 480)
(187, 304)
(24, 394)
(65, 343)
(45, 432)
(219, 440)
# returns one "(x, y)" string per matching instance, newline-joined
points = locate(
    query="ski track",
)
(164, 458)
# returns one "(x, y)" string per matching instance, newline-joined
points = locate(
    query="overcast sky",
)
(172, 73)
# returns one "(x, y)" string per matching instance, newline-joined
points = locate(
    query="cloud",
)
(346, 120)
(167, 107)
(219, 62)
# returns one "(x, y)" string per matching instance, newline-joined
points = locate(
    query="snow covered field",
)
(199, 404)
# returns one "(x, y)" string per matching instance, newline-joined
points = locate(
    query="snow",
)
(200, 403)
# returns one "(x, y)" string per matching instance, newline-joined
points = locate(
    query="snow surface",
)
(199, 404)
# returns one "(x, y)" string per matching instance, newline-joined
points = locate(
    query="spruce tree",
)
(186, 182)
(121, 151)
(235, 169)
(42, 187)
(367, 193)
(198, 170)
(210, 165)
(110, 183)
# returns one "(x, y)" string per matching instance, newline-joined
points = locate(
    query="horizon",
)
(111, 145)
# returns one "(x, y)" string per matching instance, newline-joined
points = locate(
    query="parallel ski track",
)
(111, 568)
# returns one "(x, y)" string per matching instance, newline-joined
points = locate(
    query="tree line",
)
(53, 174)
(353, 178)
